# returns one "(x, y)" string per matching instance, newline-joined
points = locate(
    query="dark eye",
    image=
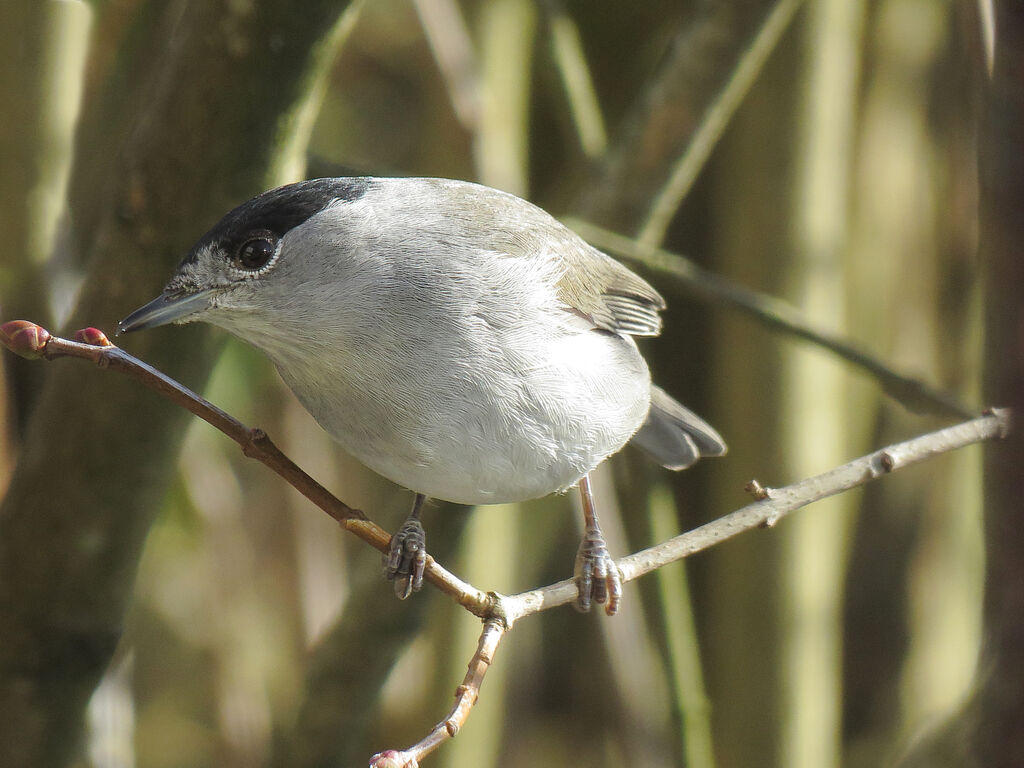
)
(255, 253)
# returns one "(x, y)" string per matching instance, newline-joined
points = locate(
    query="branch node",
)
(253, 447)
(1005, 419)
(882, 463)
(758, 491)
(497, 610)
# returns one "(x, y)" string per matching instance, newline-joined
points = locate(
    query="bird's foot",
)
(406, 558)
(597, 577)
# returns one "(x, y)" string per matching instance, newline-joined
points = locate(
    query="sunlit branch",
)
(775, 503)
(500, 612)
(31, 341)
(465, 697)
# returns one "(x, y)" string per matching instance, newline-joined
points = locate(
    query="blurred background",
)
(166, 602)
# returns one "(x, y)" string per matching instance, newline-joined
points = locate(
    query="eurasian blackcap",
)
(456, 339)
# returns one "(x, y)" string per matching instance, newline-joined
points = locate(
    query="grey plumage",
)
(675, 436)
(455, 338)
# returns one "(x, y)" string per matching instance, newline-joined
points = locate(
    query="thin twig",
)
(500, 612)
(775, 503)
(465, 697)
(32, 341)
(775, 313)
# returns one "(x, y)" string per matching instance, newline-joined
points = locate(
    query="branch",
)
(500, 612)
(465, 697)
(775, 313)
(775, 503)
(32, 341)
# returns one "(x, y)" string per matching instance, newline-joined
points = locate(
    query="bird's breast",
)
(488, 409)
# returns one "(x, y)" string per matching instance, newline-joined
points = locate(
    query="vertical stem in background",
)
(638, 670)
(909, 289)
(917, 206)
(43, 46)
(489, 555)
(450, 43)
(814, 558)
(61, 76)
(571, 61)
(1000, 739)
(718, 115)
(42, 50)
(505, 39)
(319, 562)
(501, 150)
(752, 193)
(692, 715)
(296, 126)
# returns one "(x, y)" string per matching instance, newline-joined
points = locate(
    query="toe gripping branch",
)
(406, 558)
(597, 577)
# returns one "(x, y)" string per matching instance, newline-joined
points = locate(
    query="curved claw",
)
(597, 577)
(406, 558)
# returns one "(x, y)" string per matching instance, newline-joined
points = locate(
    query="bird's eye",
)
(255, 253)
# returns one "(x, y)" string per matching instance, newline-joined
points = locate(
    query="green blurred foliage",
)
(845, 183)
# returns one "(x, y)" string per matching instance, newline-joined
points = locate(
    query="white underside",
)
(530, 430)
(464, 378)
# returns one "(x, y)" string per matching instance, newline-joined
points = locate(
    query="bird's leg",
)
(597, 577)
(407, 555)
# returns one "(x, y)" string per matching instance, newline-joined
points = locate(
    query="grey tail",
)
(675, 436)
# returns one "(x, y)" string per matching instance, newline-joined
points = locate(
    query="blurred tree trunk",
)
(98, 448)
(1001, 737)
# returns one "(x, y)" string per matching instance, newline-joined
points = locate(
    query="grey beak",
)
(165, 308)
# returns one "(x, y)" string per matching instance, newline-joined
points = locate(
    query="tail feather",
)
(675, 436)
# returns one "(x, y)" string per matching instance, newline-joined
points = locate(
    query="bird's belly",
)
(460, 474)
(534, 428)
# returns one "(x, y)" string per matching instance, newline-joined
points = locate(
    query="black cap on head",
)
(280, 210)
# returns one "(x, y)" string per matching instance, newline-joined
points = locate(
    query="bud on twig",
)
(24, 338)
(93, 336)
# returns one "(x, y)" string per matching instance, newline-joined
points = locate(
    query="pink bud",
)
(392, 758)
(24, 338)
(93, 336)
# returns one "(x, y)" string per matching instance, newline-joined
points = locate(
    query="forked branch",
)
(500, 612)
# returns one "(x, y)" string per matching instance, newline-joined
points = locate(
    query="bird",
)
(454, 338)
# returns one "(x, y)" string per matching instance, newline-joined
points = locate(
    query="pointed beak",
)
(165, 308)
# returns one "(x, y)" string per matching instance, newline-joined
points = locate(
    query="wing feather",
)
(613, 297)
